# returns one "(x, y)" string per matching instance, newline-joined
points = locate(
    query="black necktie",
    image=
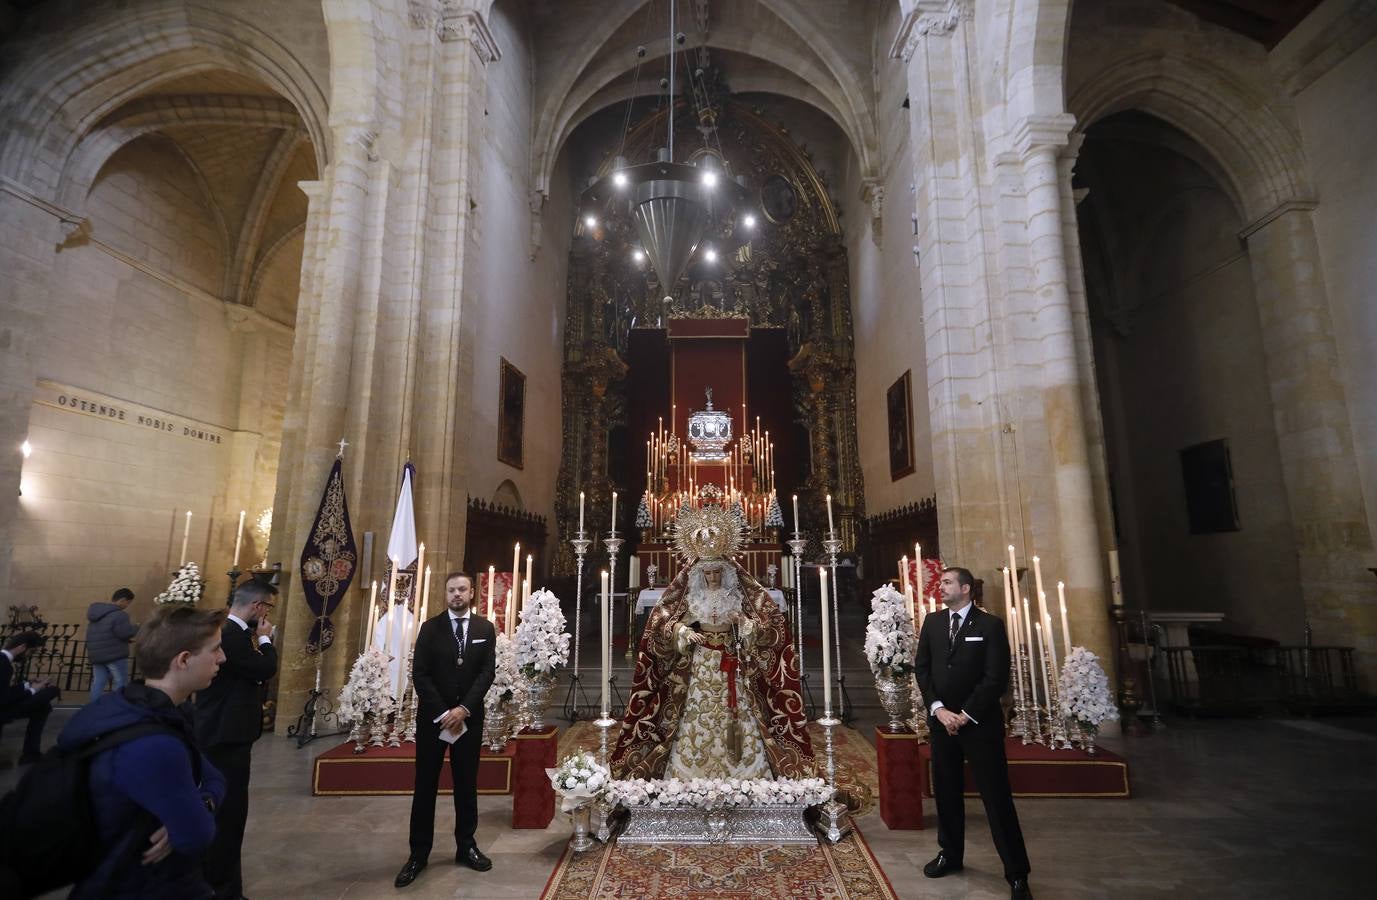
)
(955, 627)
(460, 633)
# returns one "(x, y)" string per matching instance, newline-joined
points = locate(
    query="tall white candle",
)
(614, 511)
(492, 576)
(633, 578)
(908, 603)
(903, 573)
(1018, 660)
(1065, 628)
(372, 613)
(1013, 572)
(1046, 693)
(826, 643)
(831, 528)
(605, 642)
(580, 512)
(919, 581)
(425, 602)
(1042, 597)
(238, 538)
(516, 585)
(530, 559)
(391, 587)
(509, 613)
(1051, 647)
(186, 536)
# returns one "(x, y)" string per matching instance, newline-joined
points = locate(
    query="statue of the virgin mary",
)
(716, 689)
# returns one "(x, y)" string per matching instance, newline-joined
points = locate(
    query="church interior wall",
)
(886, 306)
(1339, 132)
(1189, 370)
(522, 299)
(134, 317)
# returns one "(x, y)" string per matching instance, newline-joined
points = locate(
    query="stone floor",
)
(1271, 808)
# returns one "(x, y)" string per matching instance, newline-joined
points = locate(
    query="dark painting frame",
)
(899, 413)
(511, 416)
(1207, 473)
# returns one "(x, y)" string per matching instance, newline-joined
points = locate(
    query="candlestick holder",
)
(1032, 724)
(1018, 726)
(919, 722)
(833, 547)
(798, 545)
(1057, 737)
(601, 824)
(834, 820)
(577, 698)
(404, 722)
(234, 575)
(1129, 702)
(614, 546)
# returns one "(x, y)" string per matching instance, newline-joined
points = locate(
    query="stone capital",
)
(924, 18)
(1041, 134)
(459, 24)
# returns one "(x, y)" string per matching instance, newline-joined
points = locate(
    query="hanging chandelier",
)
(672, 212)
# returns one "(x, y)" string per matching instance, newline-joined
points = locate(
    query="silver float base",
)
(730, 825)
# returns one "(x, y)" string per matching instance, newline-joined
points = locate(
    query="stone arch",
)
(61, 90)
(1035, 68)
(1259, 157)
(507, 495)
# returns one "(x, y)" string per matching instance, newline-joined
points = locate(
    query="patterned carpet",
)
(858, 775)
(846, 871)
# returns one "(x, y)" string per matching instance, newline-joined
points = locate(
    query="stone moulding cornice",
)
(467, 25)
(938, 18)
(15, 189)
(1033, 133)
(1275, 213)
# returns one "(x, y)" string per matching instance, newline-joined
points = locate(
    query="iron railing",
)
(62, 659)
(1234, 680)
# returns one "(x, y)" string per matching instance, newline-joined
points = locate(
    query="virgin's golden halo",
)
(708, 533)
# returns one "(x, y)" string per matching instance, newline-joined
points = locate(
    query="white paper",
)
(448, 736)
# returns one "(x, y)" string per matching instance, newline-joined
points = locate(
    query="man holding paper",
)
(453, 667)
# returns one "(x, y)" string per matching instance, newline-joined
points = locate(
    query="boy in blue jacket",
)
(154, 817)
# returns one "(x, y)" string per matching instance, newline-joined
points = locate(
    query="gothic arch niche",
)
(790, 284)
(1178, 347)
(508, 496)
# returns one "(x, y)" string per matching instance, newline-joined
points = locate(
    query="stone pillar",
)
(1060, 381)
(1333, 543)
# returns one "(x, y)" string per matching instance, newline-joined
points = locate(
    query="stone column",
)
(1333, 542)
(1060, 382)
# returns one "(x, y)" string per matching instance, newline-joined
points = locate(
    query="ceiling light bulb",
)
(619, 179)
(710, 255)
(27, 449)
(749, 221)
(590, 221)
(710, 179)
(638, 256)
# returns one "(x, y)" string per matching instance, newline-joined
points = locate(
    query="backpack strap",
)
(127, 733)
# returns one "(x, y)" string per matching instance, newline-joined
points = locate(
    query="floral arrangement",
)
(186, 586)
(369, 689)
(773, 517)
(890, 644)
(1085, 695)
(542, 644)
(579, 779)
(506, 683)
(716, 793)
(643, 519)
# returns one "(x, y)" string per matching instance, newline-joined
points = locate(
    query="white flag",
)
(401, 546)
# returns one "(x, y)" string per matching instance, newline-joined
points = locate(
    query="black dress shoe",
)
(942, 865)
(409, 872)
(1018, 889)
(473, 858)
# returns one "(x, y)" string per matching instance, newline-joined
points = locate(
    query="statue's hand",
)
(697, 638)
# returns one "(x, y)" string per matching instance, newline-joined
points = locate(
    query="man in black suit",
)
(963, 670)
(29, 700)
(453, 666)
(229, 718)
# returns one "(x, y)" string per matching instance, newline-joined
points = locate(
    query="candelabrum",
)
(577, 700)
(234, 575)
(1020, 727)
(833, 546)
(1129, 702)
(798, 545)
(614, 546)
(834, 821)
(1057, 737)
(601, 823)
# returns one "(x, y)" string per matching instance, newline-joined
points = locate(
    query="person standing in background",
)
(108, 634)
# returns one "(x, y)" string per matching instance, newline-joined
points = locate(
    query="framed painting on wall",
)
(899, 405)
(511, 413)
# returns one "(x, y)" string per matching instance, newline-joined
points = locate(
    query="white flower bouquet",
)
(716, 793)
(890, 644)
(579, 779)
(1085, 695)
(542, 644)
(369, 689)
(186, 586)
(506, 683)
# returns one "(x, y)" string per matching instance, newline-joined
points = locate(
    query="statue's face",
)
(712, 577)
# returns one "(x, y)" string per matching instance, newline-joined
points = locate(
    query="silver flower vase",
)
(895, 697)
(497, 726)
(583, 838)
(538, 689)
(1088, 738)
